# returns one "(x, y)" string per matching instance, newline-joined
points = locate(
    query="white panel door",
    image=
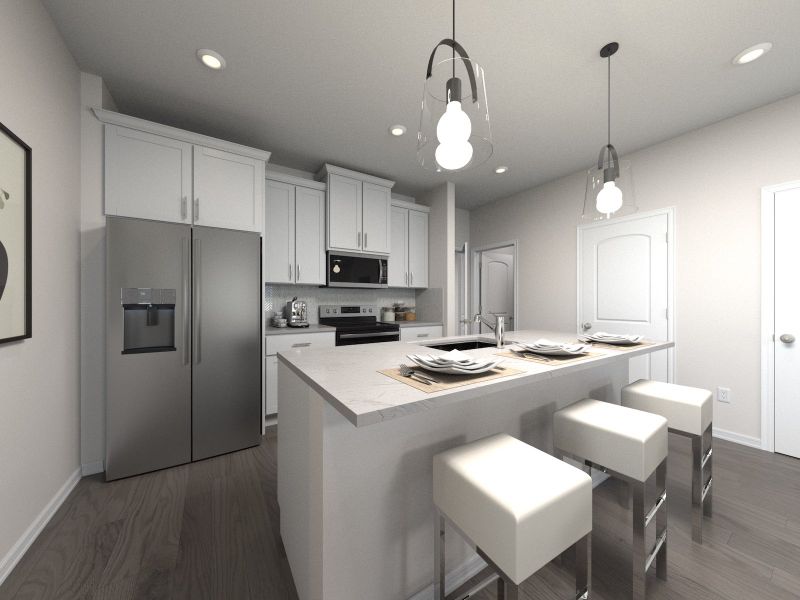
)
(624, 285)
(398, 257)
(147, 176)
(497, 287)
(309, 236)
(376, 212)
(344, 213)
(787, 323)
(417, 249)
(228, 190)
(279, 232)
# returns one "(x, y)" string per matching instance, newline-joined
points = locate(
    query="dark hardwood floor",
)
(210, 531)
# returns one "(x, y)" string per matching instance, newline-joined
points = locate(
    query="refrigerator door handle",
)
(186, 274)
(197, 314)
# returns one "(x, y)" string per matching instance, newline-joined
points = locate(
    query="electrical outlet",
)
(723, 394)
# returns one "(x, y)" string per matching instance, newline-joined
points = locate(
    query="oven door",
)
(356, 270)
(351, 338)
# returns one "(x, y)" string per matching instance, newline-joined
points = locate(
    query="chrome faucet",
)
(499, 327)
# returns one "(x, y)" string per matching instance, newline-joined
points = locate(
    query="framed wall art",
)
(15, 237)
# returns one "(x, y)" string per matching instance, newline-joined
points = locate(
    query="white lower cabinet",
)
(415, 334)
(282, 343)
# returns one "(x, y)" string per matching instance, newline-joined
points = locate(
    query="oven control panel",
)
(327, 311)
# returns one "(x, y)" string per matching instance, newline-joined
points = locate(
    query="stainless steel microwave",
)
(355, 270)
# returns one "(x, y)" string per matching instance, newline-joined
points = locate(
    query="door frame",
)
(669, 211)
(768, 311)
(475, 295)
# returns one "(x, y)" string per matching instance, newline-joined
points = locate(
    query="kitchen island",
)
(355, 451)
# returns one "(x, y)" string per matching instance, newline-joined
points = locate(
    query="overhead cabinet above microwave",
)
(165, 174)
(358, 211)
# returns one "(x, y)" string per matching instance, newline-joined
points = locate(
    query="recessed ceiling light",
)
(500, 170)
(211, 59)
(397, 130)
(752, 53)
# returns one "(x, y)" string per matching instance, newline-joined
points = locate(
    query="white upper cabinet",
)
(147, 176)
(228, 190)
(376, 220)
(417, 249)
(294, 233)
(309, 236)
(358, 211)
(344, 213)
(279, 233)
(161, 173)
(398, 257)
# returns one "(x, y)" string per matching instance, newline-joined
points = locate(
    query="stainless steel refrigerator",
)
(183, 344)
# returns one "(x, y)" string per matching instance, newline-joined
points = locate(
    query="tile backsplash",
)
(275, 296)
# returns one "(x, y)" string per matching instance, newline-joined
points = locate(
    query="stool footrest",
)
(659, 503)
(706, 489)
(486, 577)
(582, 595)
(651, 557)
(706, 457)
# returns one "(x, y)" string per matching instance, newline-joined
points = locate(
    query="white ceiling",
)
(322, 81)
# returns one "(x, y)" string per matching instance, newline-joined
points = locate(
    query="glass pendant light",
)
(454, 131)
(609, 187)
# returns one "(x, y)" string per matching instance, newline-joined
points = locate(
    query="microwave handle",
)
(380, 273)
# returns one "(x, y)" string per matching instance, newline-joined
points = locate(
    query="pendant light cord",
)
(609, 100)
(454, 38)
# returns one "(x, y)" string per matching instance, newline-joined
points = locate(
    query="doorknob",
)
(787, 338)
(586, 326)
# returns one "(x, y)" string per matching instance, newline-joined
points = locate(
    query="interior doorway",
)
(494, 291)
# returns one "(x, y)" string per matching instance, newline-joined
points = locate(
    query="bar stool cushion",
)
(686, 409)
(628, 441)
(519, 505)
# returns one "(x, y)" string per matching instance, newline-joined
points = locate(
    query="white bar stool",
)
(630, 445)
(519, 506)
(689, 412)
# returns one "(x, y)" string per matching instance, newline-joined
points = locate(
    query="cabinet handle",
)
(421, 335)
(297, 267)
(196, 209)
(183, 208)
(365, 239)
(406, 277)
(359, 239)
(290, 271)
(412, 277)
(301, 345)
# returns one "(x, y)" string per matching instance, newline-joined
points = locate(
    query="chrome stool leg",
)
(661, 521)
(583, 567)
(438, 560)
(702, 481)
(507, 590)
(639, 550)
(708, 467)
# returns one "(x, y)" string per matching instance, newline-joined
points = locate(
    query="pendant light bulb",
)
(609, 199)
(454, 155)
(454, 125)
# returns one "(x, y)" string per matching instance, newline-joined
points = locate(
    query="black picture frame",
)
(27, 228)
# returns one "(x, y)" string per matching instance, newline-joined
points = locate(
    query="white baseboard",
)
(468, 569)
(92, 468)
(737, 438)
(18, 550)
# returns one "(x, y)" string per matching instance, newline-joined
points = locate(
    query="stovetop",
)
(360, 318)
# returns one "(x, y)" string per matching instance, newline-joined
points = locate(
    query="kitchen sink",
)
(464, 345)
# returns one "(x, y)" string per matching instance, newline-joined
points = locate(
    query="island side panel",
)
(378, 508)
(300, 481)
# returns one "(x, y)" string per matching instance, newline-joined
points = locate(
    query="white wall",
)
(39, 378)
(713, 177)
(93, 95)
(438, 302)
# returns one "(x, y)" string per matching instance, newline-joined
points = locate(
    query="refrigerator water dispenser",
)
(148, 320)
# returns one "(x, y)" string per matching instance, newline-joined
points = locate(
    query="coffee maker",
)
(296, 313)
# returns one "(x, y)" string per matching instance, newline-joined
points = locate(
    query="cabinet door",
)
(398, 257)
(147, 176)
(279, 233)
(271, 375)
(228, 190)
(418, 249)
(344, 213)
(309, 236)
(377, 208)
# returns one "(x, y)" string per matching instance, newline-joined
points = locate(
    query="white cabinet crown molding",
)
(115, 118)
(410, 205)
(328, 169)
(294, 180)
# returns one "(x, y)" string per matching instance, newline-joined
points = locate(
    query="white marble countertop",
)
(313, 328)
(348, 377)
(415, 323)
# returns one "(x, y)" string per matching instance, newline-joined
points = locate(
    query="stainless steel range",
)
(357, 324)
